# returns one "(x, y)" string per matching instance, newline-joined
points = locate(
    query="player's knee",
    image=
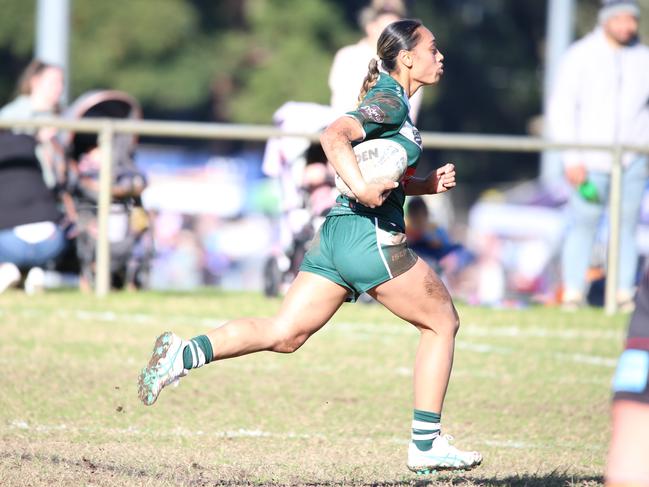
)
(449, 325)
(287, 341)
(289, 344)
(445, 323)
(455, 327)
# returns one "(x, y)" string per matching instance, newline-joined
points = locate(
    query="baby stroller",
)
(307, 190)
(130, 233)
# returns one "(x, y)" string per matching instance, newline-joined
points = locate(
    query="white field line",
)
(459, 374)
(21, 425)
(125, 318)
(579, 358)
(468, 329)
(175, 432)
(360, 329)
(476, 330)
(582, 358)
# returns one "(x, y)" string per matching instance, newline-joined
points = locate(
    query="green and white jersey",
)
(383, 114)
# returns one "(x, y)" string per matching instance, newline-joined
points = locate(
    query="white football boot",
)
(165, 367)
(442, 456)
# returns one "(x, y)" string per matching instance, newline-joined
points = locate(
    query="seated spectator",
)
(433, 244)
(40, 88)
(30, 233)
(426, 238)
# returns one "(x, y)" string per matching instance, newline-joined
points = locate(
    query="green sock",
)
(198, 352)
(425, 428)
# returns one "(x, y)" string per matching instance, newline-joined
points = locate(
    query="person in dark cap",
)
(601, 96)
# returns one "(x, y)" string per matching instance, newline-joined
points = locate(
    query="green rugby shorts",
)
(358, 252)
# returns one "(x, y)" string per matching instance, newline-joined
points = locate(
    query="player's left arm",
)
(438, 181)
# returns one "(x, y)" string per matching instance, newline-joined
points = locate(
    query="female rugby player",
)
(361, 247)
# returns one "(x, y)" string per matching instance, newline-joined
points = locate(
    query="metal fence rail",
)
(107, 128)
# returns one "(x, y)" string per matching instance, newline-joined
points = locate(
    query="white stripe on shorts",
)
(378, 245)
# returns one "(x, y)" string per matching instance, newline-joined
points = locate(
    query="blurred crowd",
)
(531, 243)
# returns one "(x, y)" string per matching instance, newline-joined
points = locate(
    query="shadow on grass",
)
(202, 478)
(554, 479)
(549, 480)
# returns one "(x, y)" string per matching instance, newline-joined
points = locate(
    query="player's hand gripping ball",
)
(379, 160)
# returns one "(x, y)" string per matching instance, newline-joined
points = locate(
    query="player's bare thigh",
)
(308, 305)
(419, 297)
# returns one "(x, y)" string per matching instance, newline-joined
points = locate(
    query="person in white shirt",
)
(601, 96)
(350, 63)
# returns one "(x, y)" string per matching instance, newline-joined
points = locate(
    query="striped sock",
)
(425, 428)
(197, 352)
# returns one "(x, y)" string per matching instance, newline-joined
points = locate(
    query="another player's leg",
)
(627, 464)
(308, 305)
(627, 456)
(419, 297)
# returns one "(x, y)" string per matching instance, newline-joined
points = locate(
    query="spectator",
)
(30, 236)
(425, 237)
(600, 96)
(627, 457)
(350, 63)
(39, 92)
(433, 244)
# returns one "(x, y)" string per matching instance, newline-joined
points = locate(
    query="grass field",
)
(530, 390)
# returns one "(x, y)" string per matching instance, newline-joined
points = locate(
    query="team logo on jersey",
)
(417, 135)
(410, 132)
(373, 113)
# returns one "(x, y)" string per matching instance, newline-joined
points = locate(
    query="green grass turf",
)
(530, 390)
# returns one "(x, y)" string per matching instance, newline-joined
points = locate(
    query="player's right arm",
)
(337, 141)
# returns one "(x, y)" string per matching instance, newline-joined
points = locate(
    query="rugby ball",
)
(378, 160)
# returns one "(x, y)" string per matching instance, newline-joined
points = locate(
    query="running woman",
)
(361, 247)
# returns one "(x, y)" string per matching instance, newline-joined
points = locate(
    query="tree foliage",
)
(182, 58)
(239, 60)
(290, 48)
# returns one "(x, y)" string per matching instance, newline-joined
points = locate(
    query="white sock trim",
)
(198, 357)
(425, 425)
(427, 436)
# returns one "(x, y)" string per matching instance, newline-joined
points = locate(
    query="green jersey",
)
(383, 114)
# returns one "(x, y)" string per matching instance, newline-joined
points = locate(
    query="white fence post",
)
(102, 256)
(613, 257)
